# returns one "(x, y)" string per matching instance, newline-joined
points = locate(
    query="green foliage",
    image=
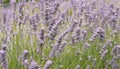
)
(6, 1)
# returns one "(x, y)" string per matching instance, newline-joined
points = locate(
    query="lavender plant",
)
(60, 34)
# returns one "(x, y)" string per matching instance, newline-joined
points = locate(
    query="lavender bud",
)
(33, 65)
(116, 50)
(3, 59)
(24, 55)
(48, 64)
(104, 54)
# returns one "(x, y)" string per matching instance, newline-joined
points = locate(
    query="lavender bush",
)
(60, 34)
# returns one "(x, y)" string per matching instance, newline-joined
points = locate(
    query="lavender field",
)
(60, 34)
